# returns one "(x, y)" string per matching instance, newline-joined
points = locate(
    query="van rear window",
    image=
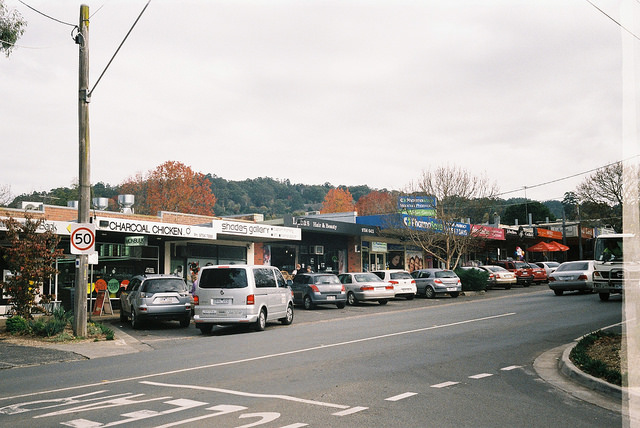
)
(223, 278)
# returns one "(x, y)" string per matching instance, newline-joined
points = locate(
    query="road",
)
(421, 363)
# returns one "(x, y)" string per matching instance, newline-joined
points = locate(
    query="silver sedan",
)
(572, 276)
(363, 286)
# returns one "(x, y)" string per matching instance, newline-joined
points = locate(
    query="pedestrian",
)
(296, 270)
(309, 270)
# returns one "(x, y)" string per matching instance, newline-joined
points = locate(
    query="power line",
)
(47, 16)
(609, 16)
(563, 178)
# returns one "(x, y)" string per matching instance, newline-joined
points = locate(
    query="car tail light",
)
(459, 281)
(551, 279)
(413, 281)
(437, 281)
(394, 282)
(343, 289)
(367, 288)
(491, 276)
(196, 300)
(582, 277)
(314, 288)
(388, 287)
(596, 273)
(251, 299)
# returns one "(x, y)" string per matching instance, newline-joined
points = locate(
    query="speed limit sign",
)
(83, 238)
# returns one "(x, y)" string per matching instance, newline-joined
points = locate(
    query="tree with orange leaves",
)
(172, 186)
(376, 203)
(337, 201)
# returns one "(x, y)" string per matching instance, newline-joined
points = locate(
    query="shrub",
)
(99, 328)
(17, 325)
(473, 279)
(48, 328)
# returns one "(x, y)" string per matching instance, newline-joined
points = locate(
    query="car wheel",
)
(135, 321)
(604, 296)
(204, 328)
(410, 296)
(558, 292)
(429, 293)
(341, 305)
(184, 322)
(308, 303)
(526, 284)
(123, 316)
(351, 299)
(454, 294)
(289, 318)
(383, 301)
(261, 322)
(507, 287)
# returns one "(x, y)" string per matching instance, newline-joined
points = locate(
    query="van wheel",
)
(261, 322)
(184, 322)
(289, 318)
(205, 328)
(308, 303)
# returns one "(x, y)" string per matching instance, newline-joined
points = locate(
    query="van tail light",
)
(196, 300)
(582, 277)
(367, 288)
(251, 299)
(314, 288)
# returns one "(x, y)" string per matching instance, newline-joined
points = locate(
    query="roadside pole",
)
(82, 260)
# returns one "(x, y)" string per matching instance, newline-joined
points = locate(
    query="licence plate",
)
(451, 288)
(165, 300)
(221, 301)
(331, 297)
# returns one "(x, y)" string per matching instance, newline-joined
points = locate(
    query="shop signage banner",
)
(330, 226)
(487, 232)
(238, 228)
(417, 205)
(136, 241)
(546, 233)
(154, 228)
(62, 228)
(378, 247)
(430, 223)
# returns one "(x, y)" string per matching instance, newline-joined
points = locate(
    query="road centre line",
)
(248, 394)
(263, 357)
(444, 384)
(509, 368)
(480, 376)
(401, 396)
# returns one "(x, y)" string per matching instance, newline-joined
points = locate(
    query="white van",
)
(241, 294)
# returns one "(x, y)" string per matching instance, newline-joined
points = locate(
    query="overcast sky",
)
(345, 92)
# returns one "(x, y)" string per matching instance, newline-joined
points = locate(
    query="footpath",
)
(553, 366)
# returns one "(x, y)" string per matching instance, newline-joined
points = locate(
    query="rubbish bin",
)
(67, 296)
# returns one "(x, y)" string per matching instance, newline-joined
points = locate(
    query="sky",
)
(346, 92)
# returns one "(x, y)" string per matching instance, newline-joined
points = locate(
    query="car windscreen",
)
(223, 278)
(572, 266)
(446, 274)
(400, 275)
(169, 285)
(366, 277)
(521, 265)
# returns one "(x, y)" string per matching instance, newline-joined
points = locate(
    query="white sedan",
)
(361, 286)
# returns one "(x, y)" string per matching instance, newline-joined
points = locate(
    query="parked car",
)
(524, 275)
(539, 274)
(431, 282)
(311, 289)
(241, 294)
(571, 276)
(499, 277)
(155, 297)
(403, 283)
(363, 286)
(549, 267)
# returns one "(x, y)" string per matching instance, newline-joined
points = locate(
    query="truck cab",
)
(609, 264)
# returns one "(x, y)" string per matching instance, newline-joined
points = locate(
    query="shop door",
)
(376, 261)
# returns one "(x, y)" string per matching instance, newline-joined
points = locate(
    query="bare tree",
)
(447, 237)
(5, 195)
(603, 186)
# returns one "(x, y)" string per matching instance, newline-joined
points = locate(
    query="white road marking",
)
(506, 369)
(480, 376)
(262, 357)
(248, 394)
(444, 384)
(221, 409)
(401, 396)
(298, 425)
(350, 411)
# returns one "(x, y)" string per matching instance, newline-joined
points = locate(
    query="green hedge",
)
(473, 279)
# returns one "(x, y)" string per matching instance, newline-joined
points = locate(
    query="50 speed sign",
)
(83, 238)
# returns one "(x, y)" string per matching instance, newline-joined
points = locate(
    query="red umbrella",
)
(547, 246)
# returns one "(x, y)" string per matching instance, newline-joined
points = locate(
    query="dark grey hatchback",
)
(310, 289)
(159, 297)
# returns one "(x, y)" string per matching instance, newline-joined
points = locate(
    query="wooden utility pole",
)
(82, 260)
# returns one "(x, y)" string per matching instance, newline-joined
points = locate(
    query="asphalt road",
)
(421, 363)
